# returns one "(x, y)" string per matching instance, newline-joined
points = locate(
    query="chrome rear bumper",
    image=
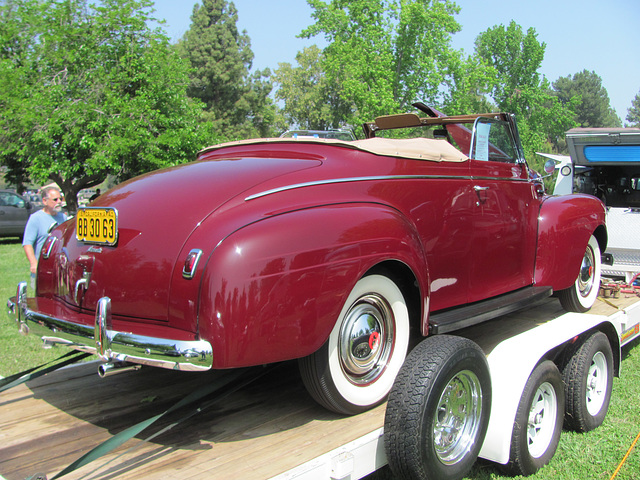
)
(110, 345)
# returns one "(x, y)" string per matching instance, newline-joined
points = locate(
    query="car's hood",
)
(157, 213)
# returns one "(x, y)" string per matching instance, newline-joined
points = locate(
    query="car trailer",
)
(271, 428)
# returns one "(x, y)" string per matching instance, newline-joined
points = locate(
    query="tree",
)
(311, 101)
(593, 108)
(92, 92)
(383, 55)
(519, 88)
(633, 113)
(236, 103)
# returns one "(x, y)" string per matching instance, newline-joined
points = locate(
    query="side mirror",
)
(549, 166)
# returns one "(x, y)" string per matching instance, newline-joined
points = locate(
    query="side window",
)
(492, 141)
(11, 200)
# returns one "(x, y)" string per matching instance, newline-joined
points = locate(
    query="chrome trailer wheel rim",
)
(458, 417)
(596, 383)
(542, 419)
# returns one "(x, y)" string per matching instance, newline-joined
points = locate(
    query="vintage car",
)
(335, 253)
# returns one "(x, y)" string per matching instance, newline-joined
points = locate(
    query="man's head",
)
(52, 200)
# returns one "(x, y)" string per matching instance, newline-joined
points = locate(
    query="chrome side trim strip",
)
(112, 345)
(332, 181)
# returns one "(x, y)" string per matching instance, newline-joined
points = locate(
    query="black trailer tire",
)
(538, 423)
(588, 379)
(438, 410)
(581, 296)
(356, 367)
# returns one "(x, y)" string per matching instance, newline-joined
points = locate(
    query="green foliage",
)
(89, 91)
(520, 89)
(311, 101)
(633, 113)
(516, 58)
(382, 56)
(592, 106)
(236, 103)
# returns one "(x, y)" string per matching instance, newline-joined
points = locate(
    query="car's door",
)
(505, 216)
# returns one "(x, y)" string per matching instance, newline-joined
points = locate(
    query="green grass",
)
(593, 455)
(17, 352)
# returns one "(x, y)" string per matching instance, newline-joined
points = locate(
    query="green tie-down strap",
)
(35, 372)
(192, 398)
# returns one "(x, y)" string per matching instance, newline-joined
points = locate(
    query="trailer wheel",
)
(538, 423)
(355, 369)
(588, 379)
(438, 410)
(581, 296)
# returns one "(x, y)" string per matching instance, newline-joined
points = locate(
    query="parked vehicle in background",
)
(14, 213)
(605, 162)
(339, 134)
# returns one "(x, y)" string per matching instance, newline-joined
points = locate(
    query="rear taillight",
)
(47, 248)
(191, 263)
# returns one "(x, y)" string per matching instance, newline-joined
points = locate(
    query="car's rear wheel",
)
(581, 296)
(355, 369)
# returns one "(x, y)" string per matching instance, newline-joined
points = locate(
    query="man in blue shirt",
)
(39, 224)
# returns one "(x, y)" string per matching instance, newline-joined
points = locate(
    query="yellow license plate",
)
(97, 225)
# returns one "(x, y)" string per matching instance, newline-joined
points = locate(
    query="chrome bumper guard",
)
(110, 345)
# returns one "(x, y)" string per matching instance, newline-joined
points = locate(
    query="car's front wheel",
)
(355, 369)
(581, 296)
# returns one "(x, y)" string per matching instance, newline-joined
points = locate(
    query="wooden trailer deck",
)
(263, 430)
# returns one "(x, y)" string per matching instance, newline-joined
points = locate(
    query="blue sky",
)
(580, 34)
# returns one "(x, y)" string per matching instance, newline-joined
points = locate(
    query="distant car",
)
(328, 251)
(35, 200)
(14, 213)
(340, 134)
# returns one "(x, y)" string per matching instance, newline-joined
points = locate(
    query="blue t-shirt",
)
(37, 229)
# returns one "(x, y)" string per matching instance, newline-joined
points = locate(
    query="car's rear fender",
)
(272, 290)
(566, 223)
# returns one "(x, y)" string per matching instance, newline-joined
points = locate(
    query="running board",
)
(457, 318)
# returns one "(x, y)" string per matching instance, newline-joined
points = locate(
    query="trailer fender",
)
(511, 363)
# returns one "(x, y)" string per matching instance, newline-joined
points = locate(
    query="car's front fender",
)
(565, 224)
(272, 290)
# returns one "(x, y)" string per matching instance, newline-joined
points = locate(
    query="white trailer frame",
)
(511, 362)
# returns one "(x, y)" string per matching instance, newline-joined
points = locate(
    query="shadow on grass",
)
(10, 241)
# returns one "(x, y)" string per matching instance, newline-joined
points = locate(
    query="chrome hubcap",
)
(366, 339)
(587, 272)
(458, 417)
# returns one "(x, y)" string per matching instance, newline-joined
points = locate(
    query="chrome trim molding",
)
(332, 181)
(111, 345)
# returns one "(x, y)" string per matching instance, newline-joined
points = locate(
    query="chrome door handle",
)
(478, 188)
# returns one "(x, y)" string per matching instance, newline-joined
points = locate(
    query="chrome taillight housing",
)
(191, 263)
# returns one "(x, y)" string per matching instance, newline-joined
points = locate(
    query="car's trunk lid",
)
(156, 214)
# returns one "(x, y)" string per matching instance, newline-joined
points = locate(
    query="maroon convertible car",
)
(331, 252)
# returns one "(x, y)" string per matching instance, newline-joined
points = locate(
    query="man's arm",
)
(31, 256)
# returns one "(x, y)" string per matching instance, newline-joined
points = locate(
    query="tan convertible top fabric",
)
(418, 148)
(414, 148)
